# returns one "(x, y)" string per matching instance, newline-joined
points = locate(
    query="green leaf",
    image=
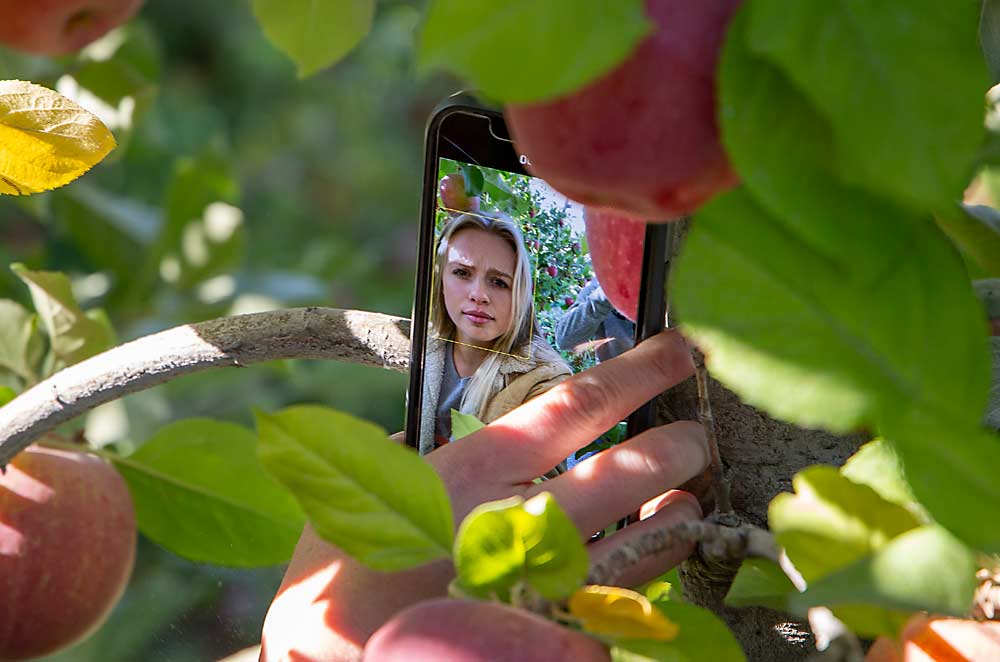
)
(760, 582)
(313, 33)
(952, 470)
(6, 395)
(831, 319)
(976, 230)
(375, 499)
(555, 47)
(17, 338)
(702, 636)
(73, 334)
(474, 180)
(200, 491)
(831, 521)
(503, 542)
(463, 425)
(877, 465)
(922, 570)
(989, 36)
(904, 123)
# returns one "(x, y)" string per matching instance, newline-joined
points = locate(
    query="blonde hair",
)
(487, 381)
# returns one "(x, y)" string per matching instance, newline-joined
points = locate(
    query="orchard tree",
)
(832, 167)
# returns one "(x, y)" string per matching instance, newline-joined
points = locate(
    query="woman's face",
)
(476, 283)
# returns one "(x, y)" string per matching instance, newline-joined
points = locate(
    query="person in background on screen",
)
(593, 318)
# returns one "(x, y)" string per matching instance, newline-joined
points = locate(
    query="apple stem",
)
(720, 484)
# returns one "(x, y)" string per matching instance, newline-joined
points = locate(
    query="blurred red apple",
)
(67, 546)
(446, 630)
(933, 639)
(552, 270)
(643, 138)
(616, 244)
(452, 189)
(55, 27)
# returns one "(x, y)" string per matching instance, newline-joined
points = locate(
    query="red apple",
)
(67, 546)
(452, 189)
(569, 301)
(553, 270)
(643, 138)
(934, 639)
(446, 630)
(616, 243)
(55, 27)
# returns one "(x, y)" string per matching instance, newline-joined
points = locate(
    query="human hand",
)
(329, 605)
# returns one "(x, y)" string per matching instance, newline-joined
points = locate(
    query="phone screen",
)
(512, 306)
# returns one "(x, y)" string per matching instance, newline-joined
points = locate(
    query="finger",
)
(676, 507)
(608, 486)
(542, 432)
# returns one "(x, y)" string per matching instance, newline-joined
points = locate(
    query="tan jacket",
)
(523, 379)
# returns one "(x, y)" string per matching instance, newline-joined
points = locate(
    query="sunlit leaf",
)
(620, 613)
(925, 569)
(555, 47)
(375, 499)
(502, 542)
(831, 521)
(74, 335)
(200, 491)
(6, 395)
(46, 140)
(313, 33)
(877, 465)
(813, 298)
(463, 425)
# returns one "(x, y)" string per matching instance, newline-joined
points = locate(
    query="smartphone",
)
(501, 312)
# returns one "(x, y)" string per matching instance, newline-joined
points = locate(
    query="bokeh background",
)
(236, 187)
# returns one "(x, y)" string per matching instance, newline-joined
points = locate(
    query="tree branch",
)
(718, 541)
(354, 336)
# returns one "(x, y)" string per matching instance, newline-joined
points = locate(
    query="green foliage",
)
(464, 424)
(6, 395)
(200, 492)
(375, 499)
(314, 34)
(877, 465)
(73, 334)
(989, 36)
(925, 569)
(555, 47)
(903, 124)
(760, 582)
(832, 521)
(816, 273)
(18, 341)
(503, 543)
(701, 636)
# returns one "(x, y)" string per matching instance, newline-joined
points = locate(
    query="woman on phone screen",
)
(485, 354)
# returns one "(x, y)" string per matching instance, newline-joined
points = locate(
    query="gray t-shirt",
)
(450, 396)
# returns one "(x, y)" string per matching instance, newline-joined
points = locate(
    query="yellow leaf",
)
(46, 140)
(621, 613)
